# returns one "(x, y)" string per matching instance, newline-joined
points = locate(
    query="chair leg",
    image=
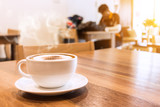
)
(8, 51)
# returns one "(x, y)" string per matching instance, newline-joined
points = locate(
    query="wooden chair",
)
(129, 38)
(132, 36)
(72, 34)
(13, 31)
(24, 51)
(8, 46)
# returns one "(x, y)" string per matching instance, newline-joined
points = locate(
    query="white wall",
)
(84, 8)
(88, 8)
(12, 11)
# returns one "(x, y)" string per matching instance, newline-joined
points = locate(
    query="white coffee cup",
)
(49, 73)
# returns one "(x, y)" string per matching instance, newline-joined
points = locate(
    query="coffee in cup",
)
(49, 70)
(51, 57)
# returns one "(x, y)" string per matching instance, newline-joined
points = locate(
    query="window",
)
(145, 9)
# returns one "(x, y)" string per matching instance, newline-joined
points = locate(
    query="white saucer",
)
(28, 85)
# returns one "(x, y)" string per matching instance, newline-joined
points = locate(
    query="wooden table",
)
(117, 78)
(90, 35)
(10, 39)
(155, 46)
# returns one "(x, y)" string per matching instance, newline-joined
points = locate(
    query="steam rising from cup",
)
(41, 29)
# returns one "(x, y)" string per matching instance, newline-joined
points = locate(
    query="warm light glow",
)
(146, 9)
(157, 11)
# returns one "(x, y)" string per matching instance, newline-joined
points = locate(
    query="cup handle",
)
(20, 70)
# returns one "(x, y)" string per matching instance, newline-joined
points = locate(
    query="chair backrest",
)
(132, 33)
(24, 51)
(124, 31)
(13, 31)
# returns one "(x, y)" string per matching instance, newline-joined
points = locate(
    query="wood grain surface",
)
(117, 78)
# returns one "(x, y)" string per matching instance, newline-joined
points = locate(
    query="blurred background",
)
(125, 24)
